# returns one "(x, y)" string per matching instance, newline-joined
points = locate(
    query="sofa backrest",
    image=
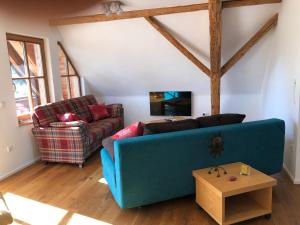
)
(46, 114)
(81, 106)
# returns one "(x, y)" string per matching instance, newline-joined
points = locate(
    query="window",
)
(70, 79)
(29, 74)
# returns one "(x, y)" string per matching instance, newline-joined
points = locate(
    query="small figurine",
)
(245, 170)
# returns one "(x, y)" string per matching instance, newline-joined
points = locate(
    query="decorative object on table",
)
(232, 178)
(216, 149)
(245, 170)
(5, 216)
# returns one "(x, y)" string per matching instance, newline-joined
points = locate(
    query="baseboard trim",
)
(291, 176)
(2, 177)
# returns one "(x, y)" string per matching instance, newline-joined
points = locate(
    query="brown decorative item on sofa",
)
(73, 142)
(216, 149)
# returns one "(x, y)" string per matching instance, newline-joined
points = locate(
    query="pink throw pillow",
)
(134, 130)
(67, 117)
(98, 111)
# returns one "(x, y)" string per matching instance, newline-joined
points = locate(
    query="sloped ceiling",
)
(129, 57)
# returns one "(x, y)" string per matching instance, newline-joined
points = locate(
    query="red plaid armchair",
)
(73, 142)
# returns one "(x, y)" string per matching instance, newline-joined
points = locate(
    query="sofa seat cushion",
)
(104, 128)
(116, 123)
(108, 144)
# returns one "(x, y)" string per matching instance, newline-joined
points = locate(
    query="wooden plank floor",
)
(60, 194)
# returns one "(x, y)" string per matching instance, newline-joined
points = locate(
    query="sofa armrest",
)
(115, 110)
(52, 138)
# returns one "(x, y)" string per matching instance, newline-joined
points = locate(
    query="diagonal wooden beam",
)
(215, 28)
(156, 24)
(153, 12)
(253, 41)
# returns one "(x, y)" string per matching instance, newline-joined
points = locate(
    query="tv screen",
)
(171, 103)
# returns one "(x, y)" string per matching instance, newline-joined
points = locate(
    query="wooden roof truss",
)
(215, 7)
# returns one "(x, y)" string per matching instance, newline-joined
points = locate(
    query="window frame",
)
(29, 79)
(68, 75)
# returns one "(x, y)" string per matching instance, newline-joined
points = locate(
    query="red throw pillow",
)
(98, 111)
(134, 130)
(67, 117)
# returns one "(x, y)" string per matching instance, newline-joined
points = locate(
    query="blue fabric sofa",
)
(158, 167)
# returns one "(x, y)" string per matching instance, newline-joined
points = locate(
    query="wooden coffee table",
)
(232, 202)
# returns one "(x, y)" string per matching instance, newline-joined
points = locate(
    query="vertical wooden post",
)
(215, 28)
(215, 84)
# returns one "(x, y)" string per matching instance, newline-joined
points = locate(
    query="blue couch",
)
(158, 167)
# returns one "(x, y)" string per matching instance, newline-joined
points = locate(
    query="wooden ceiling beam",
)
(153, 12)
(239, 3)
(253, 41)
(215, 29)
(159, 27)
(129, 14)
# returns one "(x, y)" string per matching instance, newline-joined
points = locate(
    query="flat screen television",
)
(171, 103)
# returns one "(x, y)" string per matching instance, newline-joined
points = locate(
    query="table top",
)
(223, 187)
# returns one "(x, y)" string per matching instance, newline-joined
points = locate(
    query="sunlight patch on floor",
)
(33, 212)
(78, 219)
(29, 212)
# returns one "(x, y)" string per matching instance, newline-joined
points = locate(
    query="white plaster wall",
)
(281, 85)
(24, 151)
